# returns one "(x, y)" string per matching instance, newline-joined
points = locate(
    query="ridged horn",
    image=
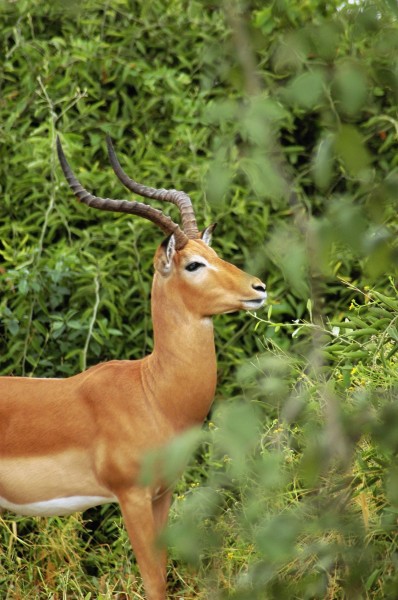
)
(124, 206)
(180, 199)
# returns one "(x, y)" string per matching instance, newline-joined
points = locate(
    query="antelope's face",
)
(206, 284)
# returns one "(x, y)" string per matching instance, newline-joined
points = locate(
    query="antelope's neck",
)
(181, 373)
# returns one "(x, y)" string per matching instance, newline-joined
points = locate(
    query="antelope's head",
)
(185, 264)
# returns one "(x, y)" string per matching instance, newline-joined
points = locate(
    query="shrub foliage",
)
(279, 119)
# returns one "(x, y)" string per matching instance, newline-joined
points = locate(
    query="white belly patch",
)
(56, 506)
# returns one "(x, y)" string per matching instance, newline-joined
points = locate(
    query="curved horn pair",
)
(180, 199)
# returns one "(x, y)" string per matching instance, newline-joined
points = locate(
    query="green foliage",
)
(279, 119)
(302, 475)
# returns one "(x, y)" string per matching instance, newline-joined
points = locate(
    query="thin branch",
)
(92, 321)
(50, 207)
(302, 220)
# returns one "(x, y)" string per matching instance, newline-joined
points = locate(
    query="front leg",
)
(161, 508)
(138, 514)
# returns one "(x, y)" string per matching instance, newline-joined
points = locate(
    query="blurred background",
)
(279, 118)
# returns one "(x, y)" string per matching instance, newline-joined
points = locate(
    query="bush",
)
(280, 121)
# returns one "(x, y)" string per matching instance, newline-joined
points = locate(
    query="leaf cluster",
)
(279, 119)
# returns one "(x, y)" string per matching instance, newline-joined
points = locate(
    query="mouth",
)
(255, 303)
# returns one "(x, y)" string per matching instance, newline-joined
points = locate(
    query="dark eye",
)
(194, 266)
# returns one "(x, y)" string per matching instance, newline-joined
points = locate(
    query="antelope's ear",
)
(164, 256)
(207, 234)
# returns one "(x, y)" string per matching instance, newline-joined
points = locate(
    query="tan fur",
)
(86, 435)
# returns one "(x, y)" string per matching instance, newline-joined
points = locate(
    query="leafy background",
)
(279, 119)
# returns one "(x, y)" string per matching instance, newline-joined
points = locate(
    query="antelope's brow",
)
(200, 259)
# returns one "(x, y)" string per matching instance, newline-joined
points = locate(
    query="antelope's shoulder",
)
(109, 379)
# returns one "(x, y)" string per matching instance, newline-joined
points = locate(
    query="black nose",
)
(259, 287)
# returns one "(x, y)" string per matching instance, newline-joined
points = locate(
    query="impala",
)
(70, 444)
